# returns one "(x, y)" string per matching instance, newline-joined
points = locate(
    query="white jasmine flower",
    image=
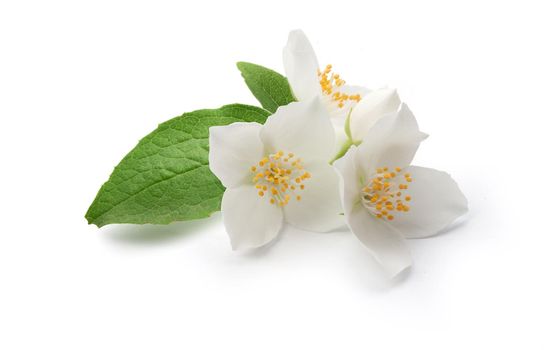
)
(386, 199)
(307, 81)
(277, 172)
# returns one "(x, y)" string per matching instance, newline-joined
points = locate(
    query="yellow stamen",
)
(384, 188)
(331, 84)
(279, 176)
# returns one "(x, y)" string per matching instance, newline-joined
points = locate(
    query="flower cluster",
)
(339, 155)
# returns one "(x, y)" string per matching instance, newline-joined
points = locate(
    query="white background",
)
(82, 82)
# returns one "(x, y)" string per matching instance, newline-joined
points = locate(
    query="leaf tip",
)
(241, 64)
(91, 219)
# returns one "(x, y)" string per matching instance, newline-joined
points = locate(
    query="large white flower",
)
(277, 172)
(386, 199)
(307, 81)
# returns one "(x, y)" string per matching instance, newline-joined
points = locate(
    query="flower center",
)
(383, 194)
(331, 84)
(279, 177)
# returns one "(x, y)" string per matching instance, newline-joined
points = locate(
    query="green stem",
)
(344, 149)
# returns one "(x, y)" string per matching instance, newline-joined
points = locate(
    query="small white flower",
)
(386, 199)
(277, 172)
(307, 81)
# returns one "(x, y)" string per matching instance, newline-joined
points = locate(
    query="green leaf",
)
(166, 177)
(270, 88)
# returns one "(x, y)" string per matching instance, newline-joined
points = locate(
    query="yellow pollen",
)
(279, 176)
(331, 84)
(382, 189)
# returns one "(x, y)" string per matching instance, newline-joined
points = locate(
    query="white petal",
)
(350, 179)
(251, 221)
(319, 208)
(234, 149)
(386, 245)
(303, 128)
(300, 63)
(391, 142)
(370, 109)
(353, 89)
(436, 202)
(340, 113)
